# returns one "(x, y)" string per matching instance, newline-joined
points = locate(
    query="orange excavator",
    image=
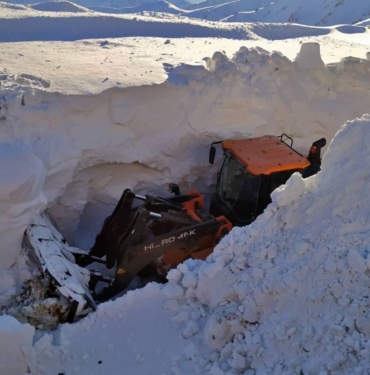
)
(149, 235)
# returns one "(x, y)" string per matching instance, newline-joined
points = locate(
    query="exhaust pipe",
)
(314, 156)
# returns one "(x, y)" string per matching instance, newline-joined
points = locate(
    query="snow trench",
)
(292, 299)
(74, 155)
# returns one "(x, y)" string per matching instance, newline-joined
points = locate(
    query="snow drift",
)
(89, 149)
(293, 299)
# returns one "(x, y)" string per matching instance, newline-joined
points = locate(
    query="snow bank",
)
(293, 299)
(94, 147)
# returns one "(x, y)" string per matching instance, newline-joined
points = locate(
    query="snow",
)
(81, 120)
(21, 196)
(155, 6)
(15, 338)
(315, 12)
(58, 6)
(307, 310)
(289, 192)
(106, 4)
(87, 151)
(303, 308)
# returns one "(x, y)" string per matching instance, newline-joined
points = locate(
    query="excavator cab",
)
(252, 169)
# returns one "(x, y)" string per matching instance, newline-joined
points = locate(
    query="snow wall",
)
(74, 155)
(293, 299)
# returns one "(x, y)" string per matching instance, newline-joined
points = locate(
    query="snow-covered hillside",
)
(226, 10)
(105, 3)
(57, 6)
(29, 24)
(316, 12)
(155, 6)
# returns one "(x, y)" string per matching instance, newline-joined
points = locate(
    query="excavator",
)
(148, 235)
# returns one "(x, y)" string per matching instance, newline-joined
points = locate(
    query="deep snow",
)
(81, 120)
(293, 299)
(92, 148)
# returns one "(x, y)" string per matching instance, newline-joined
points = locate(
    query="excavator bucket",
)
(144, 235)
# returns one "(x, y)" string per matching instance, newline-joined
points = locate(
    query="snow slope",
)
(157, 6)
(106, 3)
(58, 6)
(363, 23)
(293, 299)
(226, 10)
(48, 26)
(316, 12)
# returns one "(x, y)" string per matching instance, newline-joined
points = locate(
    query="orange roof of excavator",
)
(265, 155)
